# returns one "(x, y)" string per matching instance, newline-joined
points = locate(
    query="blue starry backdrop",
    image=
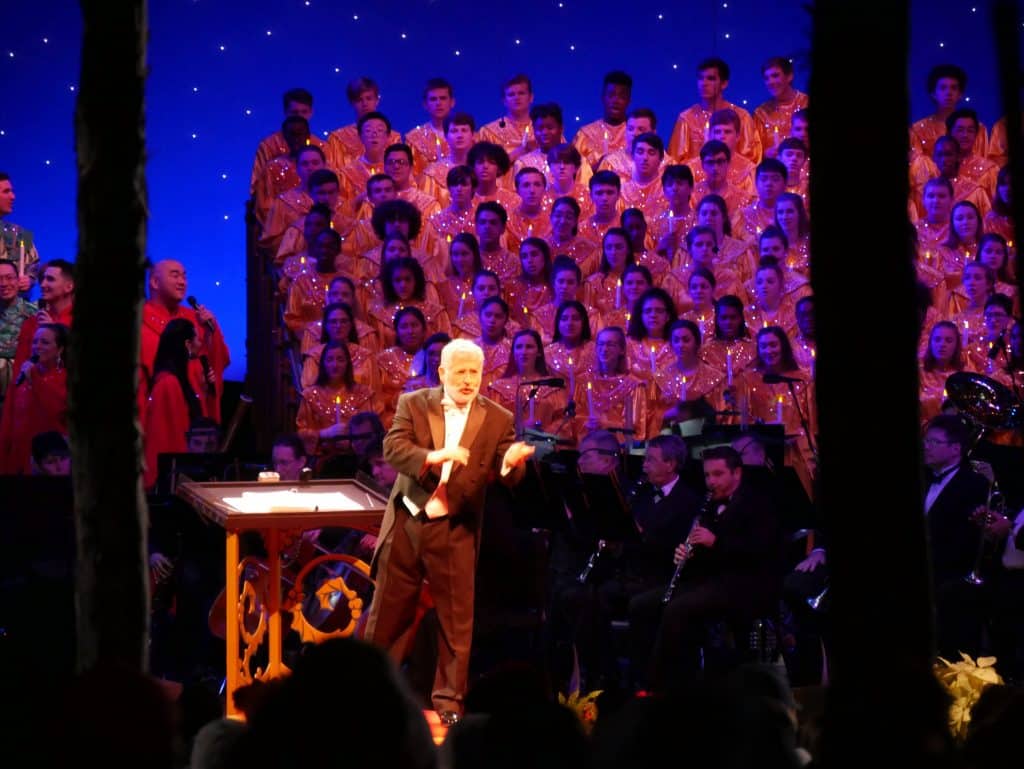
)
(218, 70)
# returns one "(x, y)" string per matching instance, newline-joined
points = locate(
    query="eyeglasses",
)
(935, 442)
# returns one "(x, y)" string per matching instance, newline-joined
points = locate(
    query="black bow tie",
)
(934, 477)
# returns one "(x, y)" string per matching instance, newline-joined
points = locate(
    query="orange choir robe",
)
(998, 144)
(605, 292)
(596, 140)
(542, 319)
(932, 392)
(677, 284)
(468, 326)
(456, 294)
(384, 316)
(784, 316)
(717, 353)
(507, 198)
(277, 178)
(366, 334)
(425, 203)
(287, 208)
(167, 419)
(522, 226)
(155, 318)
(523, 298)
(750, 221)
(433, 180)
(323, 406)
(579, 192)
(306, 299)
(691, 132)
(272, 147)
(926, 131)
(805, 351)
(735, 197)
(547, 412)
(428, 146)
(646, 196)
(774, 121)
(571, 363)
(672, 387)
(354, 176)
(503, 263)
(740, 182)
(343, 145)
(445, 225)
(1001, 225)
(585, 253)
(364, 366)
(396, 367)
(617, 401)
(36, 405)
(638, 353)
(931, 236)
(496, 357)
(704, 317)
(507, 133)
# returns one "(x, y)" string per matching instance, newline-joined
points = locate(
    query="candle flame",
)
(944, 393)
(448, 238)
(463, 295)
(337, 400)
(570, 360)
(780, 399)
(590, 385)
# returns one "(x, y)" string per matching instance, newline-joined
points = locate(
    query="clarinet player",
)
(732, 572)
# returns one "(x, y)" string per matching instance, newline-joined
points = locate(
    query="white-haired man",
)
(446, 443)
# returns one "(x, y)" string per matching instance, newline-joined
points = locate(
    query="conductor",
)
(447, 443)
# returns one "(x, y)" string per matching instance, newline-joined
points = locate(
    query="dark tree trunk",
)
(110, 508)
(885, 705)
(1006, 23)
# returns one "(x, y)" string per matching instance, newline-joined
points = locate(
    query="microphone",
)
(548, 382)
(779, 379)
(205, 363)
(195, 306)
(998, 345)
(21, 376)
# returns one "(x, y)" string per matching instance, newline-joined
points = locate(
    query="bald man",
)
(168, 286)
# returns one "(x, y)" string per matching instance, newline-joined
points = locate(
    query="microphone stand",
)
(803, 419)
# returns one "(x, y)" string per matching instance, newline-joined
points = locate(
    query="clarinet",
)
(687, 550)
(595, 556)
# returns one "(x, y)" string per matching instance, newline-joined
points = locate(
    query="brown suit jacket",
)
(418, 428)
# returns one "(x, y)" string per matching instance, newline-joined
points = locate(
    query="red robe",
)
(28, 330)
(167, 420)
(35, 406)
(155, 318)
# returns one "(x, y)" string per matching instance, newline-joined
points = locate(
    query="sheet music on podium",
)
(292, 501)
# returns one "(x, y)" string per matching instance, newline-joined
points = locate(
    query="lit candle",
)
(814, 361)
(437, 147)
(776, 129)
(606, 141)
(728, 368)
(653, 358)
(462, 304)
(337, 409)
(572, 380)
(682, 390)
(966, 336)
(618, 293)
(21, 257)
(448, 239)
(590, 399)
(778, 410)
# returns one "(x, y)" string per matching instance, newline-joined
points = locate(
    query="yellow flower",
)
(965, 680)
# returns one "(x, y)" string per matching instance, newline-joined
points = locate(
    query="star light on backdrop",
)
(234, 67)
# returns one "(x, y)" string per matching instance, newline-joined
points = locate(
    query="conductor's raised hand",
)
(457, 454)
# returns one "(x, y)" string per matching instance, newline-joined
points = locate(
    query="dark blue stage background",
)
(218, 70)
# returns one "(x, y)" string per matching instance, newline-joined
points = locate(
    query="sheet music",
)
(293, 501)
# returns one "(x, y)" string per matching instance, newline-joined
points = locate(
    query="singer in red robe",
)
(56, 298)
(36, 401)
(172, 402)
(168, 285)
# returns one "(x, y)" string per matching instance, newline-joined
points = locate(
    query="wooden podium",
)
(279, 511)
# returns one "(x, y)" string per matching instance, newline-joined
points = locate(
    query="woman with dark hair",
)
(37, 399)
(609, 397)
(995, 254)
(685, 380)
(532, 287)
(342, 290)
(402, 284)
(564, 238)
(397, 364)
(701, 289)
(546, 410)
(427, 361)
(1000, 219)
(732, 252)
(791, 217)
(331, 401)
(761, 398)
(464, 263)
(965, 304)
(493, 339)
(731, 349)
(648, 345)
(566, 286)
(636, 280)
(605, 285)
(771, 305)
(701, 253)
(961, 246)
(943, 357)
(172, 403)
(571, 352)
(339, 325)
